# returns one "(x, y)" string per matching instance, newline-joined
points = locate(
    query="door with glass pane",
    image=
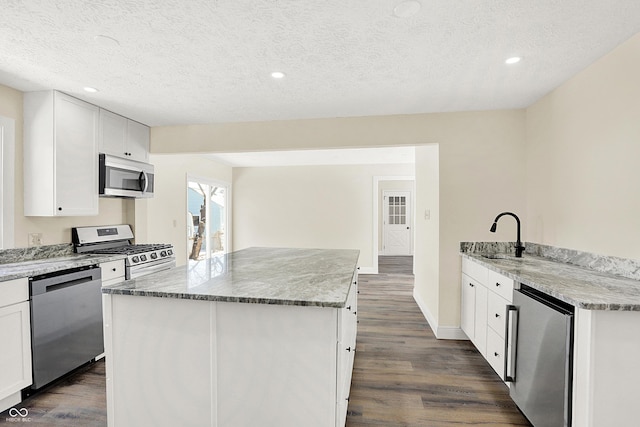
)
(396, 223)
(207, 211)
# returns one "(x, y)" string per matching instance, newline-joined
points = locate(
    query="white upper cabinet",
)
(123, 137)
(60, 155)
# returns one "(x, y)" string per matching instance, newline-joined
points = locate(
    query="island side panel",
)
(159, 361)
(276, 365)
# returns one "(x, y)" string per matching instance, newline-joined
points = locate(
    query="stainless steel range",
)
(141, 259)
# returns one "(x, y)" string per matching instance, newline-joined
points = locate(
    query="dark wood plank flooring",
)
(402, 375)
(75, 401)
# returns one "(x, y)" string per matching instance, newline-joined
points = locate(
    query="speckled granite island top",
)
(572, 278)
(307, 277)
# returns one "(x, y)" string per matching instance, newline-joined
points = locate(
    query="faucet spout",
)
(519, 247)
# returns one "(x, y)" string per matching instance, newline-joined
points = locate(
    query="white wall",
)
(308, 206)
(583, 151)
(163, 219)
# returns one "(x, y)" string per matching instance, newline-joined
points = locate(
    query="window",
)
(7, 146)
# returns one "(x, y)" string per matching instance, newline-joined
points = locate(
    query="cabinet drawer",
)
(496, 313)
(14, 291)
(502, 285)
(112, 270)
(495, 352)
(475, 271)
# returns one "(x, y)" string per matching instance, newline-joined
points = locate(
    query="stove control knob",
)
(169, 252)
(163, 253)
(135, 259)
(143, 257)
(153, 255)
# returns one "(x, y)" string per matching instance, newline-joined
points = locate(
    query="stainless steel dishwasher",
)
(539, 362)
(66, 322)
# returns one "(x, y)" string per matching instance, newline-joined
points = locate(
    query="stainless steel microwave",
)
(120, 177)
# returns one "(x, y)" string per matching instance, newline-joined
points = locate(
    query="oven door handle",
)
(144, 181)
(511, 343)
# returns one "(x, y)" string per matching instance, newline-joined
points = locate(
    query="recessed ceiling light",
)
(406, 9)
(513, 60)
(277, 74)
(90, 89)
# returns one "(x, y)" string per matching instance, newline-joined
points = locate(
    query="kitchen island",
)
(261, 336)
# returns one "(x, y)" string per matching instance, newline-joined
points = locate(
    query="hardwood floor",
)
(402, 375)
(76, 401)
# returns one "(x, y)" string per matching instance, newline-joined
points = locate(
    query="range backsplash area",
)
(629, 268)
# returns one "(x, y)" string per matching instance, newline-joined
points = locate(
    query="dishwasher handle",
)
(56, 281)
(510, 343)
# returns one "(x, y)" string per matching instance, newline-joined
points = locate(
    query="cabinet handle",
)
(349, 349)
(59, 208)
(471, 284)
(355, 313)
(113, 269)
(496, 354)
(349, 308)
(497, 315)
(497, 284)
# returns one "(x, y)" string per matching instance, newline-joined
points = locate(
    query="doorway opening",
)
(207, 218)
(393, 217)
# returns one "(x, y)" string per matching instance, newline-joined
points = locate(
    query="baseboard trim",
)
(441, 332)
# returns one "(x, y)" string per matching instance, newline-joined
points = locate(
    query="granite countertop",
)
(35, 267)
(577, 285)
(284, 276)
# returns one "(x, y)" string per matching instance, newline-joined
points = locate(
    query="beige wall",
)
(583, 159)
(163, 219)
(481, 173)
(308, 206)
(54, 230)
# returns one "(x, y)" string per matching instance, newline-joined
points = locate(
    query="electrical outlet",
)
(35, 239)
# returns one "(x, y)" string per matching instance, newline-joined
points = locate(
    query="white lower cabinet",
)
(187, 362)
(495, 352)
(15, 336)
(112, 272)
(485, 296)
(474, 312)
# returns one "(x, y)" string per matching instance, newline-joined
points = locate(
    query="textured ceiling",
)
(207, 61)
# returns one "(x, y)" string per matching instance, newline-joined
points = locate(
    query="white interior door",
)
(396, 226)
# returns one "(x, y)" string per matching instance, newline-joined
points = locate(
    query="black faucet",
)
(519, 247)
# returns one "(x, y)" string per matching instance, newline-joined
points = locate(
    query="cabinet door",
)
(137, 141)
(76, 157)
(15, 357)
(468, 311)
(480, 338)
(113, 133)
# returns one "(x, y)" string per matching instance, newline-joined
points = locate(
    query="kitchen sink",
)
(501, 256)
